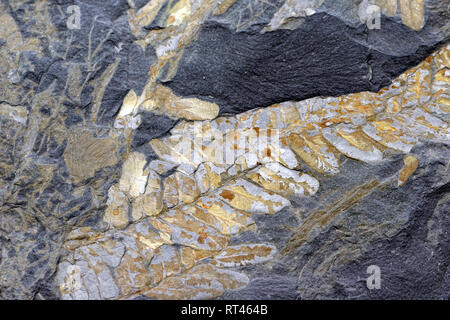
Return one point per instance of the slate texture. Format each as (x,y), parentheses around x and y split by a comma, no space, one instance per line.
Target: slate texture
(98,201)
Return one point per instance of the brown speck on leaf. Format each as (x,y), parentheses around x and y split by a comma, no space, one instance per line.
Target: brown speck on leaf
(171,19)
(202,237)
(227,195)
(205,206)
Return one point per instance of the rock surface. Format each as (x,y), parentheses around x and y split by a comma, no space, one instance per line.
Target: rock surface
(229,149)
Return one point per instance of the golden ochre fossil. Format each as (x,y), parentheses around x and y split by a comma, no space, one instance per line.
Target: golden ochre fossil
(169,237)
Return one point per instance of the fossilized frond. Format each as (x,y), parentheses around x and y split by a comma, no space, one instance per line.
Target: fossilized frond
(172,218)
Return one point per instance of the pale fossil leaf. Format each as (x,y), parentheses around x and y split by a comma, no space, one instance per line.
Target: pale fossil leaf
(204,281)
(245,254)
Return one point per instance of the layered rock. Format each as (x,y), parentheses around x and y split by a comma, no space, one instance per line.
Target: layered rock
(217,148)
(251,176)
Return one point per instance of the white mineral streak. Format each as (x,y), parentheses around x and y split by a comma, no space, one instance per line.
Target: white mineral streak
(293,9)
(348,147)
(134,177)
(246,196)
(390,134)
(16,113)
(170,45)
(236,256)
(280,179)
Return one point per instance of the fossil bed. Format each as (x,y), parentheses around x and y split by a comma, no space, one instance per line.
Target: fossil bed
(116,180)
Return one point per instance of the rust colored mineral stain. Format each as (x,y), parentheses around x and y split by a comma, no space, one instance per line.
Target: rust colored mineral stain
(116,212)
(171,19)
(206,206)
(202,236)
(227,195)
(409,167)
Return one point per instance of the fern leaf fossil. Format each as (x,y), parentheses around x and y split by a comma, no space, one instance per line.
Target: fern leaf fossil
(170,220)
